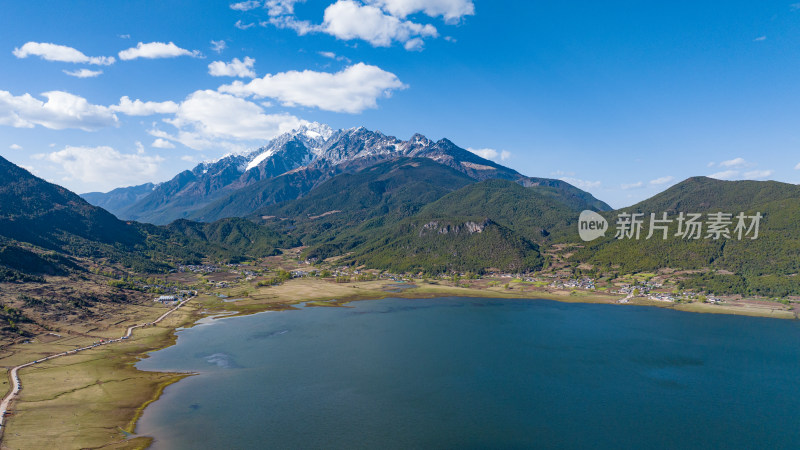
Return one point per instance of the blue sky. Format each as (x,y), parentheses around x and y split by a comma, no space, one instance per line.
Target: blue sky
(620,98)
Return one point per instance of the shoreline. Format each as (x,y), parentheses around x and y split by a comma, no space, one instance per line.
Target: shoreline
(207,306)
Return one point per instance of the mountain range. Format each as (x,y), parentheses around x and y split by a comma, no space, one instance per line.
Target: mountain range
(45,229)
(406,206)
(292,165)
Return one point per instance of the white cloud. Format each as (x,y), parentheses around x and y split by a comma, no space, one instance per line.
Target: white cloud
(61,110)
(797,167)
(450,10)
(243,26)
(349,20)
(246,6)
(490,153)
(636,185)
(725,175)
(140,108)
(735,162)
(103,167)
(301,27)
(331,55)
(235,68)
(162,143)
(188,158)
(760,38)
(60,53)
(154,50)
(209,119)
(280,7)
(15,147)
(757,174)
(219,46)
(379,22)
(415,44)
(582,184)
(353,89)
(83,73)
(662,180)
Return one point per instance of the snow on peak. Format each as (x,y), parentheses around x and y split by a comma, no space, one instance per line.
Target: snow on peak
(315,131)
(258,159)
(314,135)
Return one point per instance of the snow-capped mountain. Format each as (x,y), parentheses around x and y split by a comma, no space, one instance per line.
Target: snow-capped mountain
(295,162)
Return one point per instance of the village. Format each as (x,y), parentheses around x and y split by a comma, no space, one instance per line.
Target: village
(212,277)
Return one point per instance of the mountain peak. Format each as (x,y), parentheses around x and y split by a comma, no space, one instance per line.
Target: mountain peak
(315,131)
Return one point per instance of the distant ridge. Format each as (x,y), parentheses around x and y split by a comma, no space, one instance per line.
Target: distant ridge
(290,166)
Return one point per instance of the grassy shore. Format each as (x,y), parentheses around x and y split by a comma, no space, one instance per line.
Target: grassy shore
(90,399)
(93,399)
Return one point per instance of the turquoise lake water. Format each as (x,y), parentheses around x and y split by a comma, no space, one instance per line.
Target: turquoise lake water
(480,373)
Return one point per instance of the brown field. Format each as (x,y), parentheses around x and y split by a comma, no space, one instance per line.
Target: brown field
(87,399)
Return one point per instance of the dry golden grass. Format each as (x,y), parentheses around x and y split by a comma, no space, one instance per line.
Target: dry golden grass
(85,400)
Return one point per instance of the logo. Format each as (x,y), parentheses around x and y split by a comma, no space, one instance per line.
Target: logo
(591,225)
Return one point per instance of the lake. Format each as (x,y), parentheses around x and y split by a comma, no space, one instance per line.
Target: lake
(480,373)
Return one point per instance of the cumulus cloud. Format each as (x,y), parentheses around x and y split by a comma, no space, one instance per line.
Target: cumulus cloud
(15,147)
(153,50)
(735,162)
(61,110)
(352,90)
(103,167)
(735,170)
(210,119)
(661,180)
(140,108)
(757,174)
(83,73)
(725,175)
(219,46)
(235,68)
(797,167)
(162,143)
(490,153)
(349,20)
(246,6)
(450,10)
(636,185)
(60,53)
(582,184)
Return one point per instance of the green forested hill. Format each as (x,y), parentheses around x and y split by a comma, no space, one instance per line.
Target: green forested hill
(338,207)
(536,212)
(767,265)
(58,222)
(443,234)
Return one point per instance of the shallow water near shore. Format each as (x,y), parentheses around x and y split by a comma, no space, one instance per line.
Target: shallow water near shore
(478,373)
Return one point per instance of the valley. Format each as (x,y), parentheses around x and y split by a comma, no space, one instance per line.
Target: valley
(353,216)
